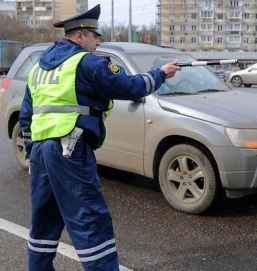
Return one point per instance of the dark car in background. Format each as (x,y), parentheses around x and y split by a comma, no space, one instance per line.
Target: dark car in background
(195,135)
(221,74)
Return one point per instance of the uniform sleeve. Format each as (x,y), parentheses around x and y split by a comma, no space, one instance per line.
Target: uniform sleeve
(112,82)
(25,120)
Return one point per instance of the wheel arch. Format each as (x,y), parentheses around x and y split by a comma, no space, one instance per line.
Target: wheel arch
(173,140)
(14,118)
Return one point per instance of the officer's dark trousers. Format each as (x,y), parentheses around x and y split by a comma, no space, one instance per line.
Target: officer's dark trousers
(67,192)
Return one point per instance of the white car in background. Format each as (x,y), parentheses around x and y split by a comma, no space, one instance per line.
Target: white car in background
(247,77)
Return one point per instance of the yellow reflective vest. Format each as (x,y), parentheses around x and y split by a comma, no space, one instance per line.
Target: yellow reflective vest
(55,106)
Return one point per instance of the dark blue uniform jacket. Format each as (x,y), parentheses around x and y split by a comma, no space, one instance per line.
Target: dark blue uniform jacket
(96,84)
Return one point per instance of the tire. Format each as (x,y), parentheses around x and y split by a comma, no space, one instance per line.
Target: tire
(237,81)
(18,147)
(247,85)
(193,188)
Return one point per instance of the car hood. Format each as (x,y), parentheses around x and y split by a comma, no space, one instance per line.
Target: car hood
(235,109)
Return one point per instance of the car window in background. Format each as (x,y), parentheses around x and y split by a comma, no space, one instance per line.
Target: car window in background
(25,68)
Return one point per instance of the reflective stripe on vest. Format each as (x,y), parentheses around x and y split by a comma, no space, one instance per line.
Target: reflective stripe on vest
(81,109)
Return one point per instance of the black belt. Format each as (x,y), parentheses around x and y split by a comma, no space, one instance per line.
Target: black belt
(95,112)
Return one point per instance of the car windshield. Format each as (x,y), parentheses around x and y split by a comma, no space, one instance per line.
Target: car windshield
(190,80)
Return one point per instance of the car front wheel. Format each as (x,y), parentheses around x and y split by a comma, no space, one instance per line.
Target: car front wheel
(237,81)
(187,179)
(18,147)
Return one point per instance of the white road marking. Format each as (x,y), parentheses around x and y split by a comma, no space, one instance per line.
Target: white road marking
(23,232)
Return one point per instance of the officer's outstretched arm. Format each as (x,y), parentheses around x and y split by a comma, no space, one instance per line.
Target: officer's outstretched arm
(112,82)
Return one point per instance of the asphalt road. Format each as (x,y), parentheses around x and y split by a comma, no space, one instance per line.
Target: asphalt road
(150,235)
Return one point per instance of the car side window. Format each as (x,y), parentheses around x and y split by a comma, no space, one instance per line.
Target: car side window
(27,65)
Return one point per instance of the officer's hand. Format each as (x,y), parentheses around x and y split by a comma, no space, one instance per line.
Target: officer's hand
(170,69)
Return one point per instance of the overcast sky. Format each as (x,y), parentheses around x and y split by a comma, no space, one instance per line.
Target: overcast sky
(143,11)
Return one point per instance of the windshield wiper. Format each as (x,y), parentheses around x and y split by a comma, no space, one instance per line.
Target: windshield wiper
(175,92)
(211,90)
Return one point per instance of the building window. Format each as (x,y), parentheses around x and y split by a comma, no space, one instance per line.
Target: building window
(172,16)
(207,3)
(220,3)
(234,39)
(194,16)
(193,3)
(247,3)
(172,40)
(220,27)
(193,40)
(57,4)
(247,15)
(234,14)
(219,40)
(246,40)
(234,27)
(193,27)
(233,3)
(182,15)
(172,3)
(182,28)
(183,3)
(220,16)
(255,41)
(206,38)
(206,14)
(208,27)
(182,39)
(172,27)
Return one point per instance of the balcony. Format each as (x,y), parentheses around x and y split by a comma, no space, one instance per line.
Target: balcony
(208,8)
(234,44)
(233,32)
(206,45)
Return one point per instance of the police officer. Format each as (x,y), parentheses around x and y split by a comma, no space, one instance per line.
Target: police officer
(68,96)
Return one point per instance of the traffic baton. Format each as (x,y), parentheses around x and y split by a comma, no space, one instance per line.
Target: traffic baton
(207,63)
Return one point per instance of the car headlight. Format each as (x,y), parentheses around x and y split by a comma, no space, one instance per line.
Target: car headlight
(242,138)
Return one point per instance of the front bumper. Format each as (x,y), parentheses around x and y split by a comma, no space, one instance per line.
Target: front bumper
(238,170)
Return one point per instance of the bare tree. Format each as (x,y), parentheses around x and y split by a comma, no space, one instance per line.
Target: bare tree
(106,32)
(146,34)
(13,30)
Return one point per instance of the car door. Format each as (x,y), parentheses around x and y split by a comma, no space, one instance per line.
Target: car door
(250,76)
(124,145)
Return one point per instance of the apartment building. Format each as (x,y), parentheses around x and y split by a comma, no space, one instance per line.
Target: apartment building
(7,7)
(36,13)
(207,25)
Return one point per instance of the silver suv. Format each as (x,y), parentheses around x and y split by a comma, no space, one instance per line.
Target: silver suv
(195,135)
